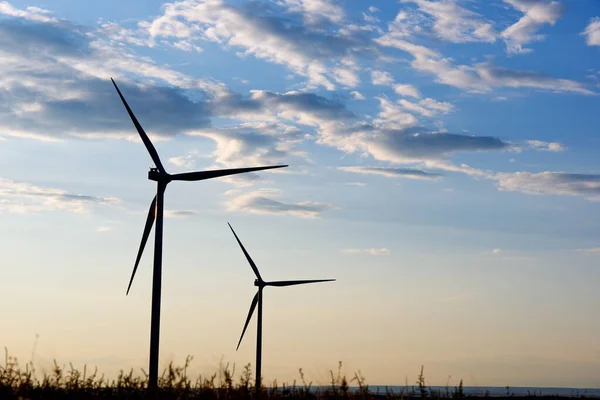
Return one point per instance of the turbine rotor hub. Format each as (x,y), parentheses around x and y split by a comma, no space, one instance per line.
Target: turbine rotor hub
(155,175)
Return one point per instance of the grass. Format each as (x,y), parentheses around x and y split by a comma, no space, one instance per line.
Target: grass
(175,383)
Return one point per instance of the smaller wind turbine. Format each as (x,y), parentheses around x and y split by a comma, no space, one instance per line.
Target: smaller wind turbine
(258,299)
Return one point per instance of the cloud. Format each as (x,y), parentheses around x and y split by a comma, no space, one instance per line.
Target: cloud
(393,172)
(371,252)
(481,77)
(455,23)
(381,78)
(30,13)
(592,250)
(546,146)
(551,183)
(55,77)
(592,32)
(23,197)
(411,145)
(257,30)
(384,78)
(188,161)
(495,251)
(262,202)
(317,11)
(406,90)
(524,31)
(104,228)
(357,95)
(427,107)
(359,184)
(180,213)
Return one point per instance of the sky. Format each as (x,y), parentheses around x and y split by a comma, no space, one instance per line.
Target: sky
(443,167)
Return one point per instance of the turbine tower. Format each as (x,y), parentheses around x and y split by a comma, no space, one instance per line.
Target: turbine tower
(162,178)
(258,300)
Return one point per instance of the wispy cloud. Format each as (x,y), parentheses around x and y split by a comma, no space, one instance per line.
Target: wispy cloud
(393,172)
(30,13)
(357,95)
(494,252)
(455,23)
(481,77)
(591,250)
(372,252)
(536,14)
(592,32)
(24,197)
(551,183)
(263,202)
(262,33)
(180,213)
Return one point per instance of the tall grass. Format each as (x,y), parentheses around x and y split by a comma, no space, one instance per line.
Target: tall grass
(23,383)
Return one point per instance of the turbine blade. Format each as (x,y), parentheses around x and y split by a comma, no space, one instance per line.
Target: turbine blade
(145,138)
(147,229)
(292,283)
(252,307)
(254,268)
(202,175)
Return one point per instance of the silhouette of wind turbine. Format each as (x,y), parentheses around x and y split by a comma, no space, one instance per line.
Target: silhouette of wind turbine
(162,178)
(257,300)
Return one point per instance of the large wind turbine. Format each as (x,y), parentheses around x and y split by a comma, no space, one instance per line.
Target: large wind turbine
(258,299)
(162,178)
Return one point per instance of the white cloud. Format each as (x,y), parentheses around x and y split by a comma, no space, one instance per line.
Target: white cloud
(427,107)
(357,96)
(592,32)
(308,53)
(393,116)
(481,77)
(546,146)
(359,184)
(496,251)
(407,90)
(262,202)
(30,13)
(592,250)
(409,173)
(524,31)
(370,18)
(551,183)
(317,11)
(455,23)
(383,78)
(372,252)
(188,161)
(22,197)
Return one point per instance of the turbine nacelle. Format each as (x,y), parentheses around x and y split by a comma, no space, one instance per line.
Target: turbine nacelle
(155,175)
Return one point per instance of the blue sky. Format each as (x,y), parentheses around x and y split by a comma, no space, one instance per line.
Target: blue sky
(443,167)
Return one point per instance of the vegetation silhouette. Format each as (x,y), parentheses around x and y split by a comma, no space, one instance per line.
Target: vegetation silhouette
(176,383)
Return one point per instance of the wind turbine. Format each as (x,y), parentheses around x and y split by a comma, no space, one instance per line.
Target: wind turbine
(258,300)
(162,178)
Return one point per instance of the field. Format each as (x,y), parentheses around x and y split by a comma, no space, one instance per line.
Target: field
(23,383)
